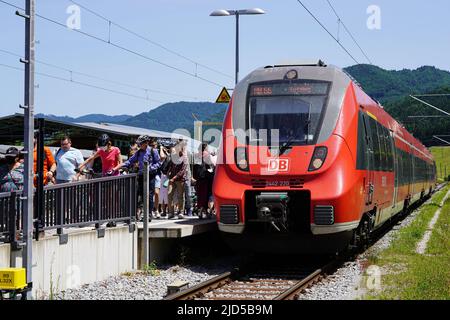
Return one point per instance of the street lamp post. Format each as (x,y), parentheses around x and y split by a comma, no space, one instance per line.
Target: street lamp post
(237,13)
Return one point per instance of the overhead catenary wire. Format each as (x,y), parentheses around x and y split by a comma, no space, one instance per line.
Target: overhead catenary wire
(430,105)
(348,31)
(119,47)
(432,95)
(331,35)
(111,22)
(84,84)
(71,71)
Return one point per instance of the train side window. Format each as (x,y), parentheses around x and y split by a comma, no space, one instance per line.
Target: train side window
(390,150)
(409,160)
(400,166)
(415,164)
(383,145)
(404,167)
(363,145)
(369,142)
(406,170)
(375,145)
(424,171)
(420,166)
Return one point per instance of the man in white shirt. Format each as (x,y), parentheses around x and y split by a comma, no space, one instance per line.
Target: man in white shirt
(67,159)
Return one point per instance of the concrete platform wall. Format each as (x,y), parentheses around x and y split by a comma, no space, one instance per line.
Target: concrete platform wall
(4,255)
(84,259)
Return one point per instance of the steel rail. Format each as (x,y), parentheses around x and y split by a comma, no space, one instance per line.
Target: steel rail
(203,287)
(293,292)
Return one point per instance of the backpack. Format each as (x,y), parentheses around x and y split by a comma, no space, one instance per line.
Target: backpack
(200,171)
(165,165)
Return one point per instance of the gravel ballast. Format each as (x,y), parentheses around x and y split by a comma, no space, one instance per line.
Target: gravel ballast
(347,283)
(140,285)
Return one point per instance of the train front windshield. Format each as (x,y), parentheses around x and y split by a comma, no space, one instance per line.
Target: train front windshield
(286,112)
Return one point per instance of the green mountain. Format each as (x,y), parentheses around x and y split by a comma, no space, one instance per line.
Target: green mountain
(388,85)
(171,116)
(423,128)
(87,118)
(392,88)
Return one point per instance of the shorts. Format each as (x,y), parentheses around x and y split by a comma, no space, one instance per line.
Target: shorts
(158,181)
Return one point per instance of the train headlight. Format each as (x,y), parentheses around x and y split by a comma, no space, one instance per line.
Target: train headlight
(318,158)
(240,157)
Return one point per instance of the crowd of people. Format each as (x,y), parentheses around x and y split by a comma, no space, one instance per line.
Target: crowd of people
(171,176)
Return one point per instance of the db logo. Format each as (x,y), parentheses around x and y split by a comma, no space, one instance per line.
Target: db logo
(278,165)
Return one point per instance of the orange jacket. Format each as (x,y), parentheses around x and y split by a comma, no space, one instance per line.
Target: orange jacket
(49,161)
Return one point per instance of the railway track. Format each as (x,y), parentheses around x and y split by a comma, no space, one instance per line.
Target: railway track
(258,283)
(276,282)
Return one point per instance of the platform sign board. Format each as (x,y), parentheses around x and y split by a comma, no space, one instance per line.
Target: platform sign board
(224,96)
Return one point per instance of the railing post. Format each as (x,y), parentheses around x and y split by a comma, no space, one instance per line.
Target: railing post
(135,198)
(12,214)
(98,205)
(63,238)
(130,182)
(60,210)
(146,213)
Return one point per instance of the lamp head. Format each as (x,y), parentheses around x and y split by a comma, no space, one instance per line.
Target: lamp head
(252,11)
(219,13)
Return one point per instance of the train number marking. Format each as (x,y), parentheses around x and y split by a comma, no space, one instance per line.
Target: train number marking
(277,184)
(278,165)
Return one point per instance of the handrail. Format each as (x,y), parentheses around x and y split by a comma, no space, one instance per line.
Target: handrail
(80,203)
(89,181)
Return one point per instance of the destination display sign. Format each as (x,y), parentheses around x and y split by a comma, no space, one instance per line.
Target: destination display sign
(289,89)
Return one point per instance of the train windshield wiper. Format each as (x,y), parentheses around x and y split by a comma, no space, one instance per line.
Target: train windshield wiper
(287,144)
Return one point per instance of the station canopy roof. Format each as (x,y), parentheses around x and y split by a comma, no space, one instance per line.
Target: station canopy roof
(85,135)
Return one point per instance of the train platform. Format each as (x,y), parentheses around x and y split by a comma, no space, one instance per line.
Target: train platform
(164,234)
(178,228)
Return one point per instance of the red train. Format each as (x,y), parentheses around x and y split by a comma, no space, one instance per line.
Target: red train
(310,163)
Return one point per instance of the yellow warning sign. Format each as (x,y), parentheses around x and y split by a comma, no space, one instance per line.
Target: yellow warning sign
(224,96)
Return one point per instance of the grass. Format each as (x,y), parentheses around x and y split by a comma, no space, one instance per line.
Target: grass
(420,277)
(439,243)
(151,269)
(442,157)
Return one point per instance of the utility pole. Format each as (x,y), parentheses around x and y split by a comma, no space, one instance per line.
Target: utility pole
(236,79)
(147,212)
(28,108)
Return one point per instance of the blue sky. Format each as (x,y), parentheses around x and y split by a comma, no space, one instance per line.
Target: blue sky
(413,33)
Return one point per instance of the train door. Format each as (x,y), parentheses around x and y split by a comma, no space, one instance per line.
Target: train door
(395,167)
(369,160)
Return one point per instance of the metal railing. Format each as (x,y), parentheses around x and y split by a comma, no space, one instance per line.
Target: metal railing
(10,221)
(76,204)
